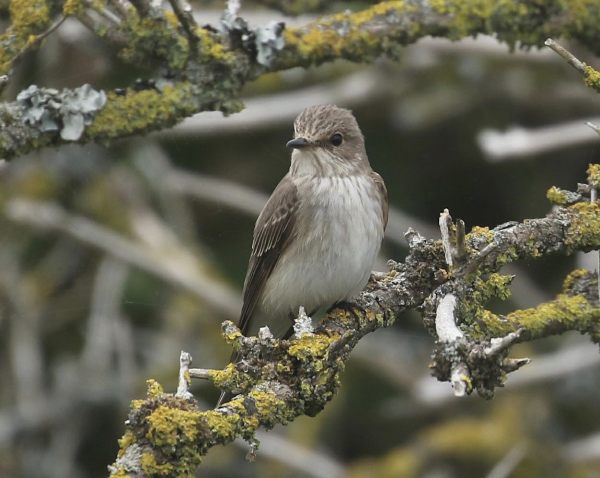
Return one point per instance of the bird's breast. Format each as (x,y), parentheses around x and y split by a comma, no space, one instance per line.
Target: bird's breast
(337,236)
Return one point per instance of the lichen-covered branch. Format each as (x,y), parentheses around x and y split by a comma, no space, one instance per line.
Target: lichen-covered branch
(28,19)
(386,26)
(203,68)
(277,380)
(298,7)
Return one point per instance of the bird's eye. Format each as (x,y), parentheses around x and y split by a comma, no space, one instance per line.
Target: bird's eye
(336,139)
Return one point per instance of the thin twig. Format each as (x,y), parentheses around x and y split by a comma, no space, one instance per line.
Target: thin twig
(460,251)
(185,360)
(566,55)
(201,373)
(445,223)
(37,40)
(187,22)
(505,467)
(594,126)
(498,344)
(445,322)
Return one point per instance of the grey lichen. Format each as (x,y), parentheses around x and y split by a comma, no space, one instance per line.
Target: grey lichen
(269,40)
(263,42)
(67,111)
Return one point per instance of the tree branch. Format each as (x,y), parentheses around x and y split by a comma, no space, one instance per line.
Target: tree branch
(228,57)
(278,380)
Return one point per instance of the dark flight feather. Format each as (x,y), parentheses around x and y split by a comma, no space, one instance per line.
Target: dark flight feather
(272,232)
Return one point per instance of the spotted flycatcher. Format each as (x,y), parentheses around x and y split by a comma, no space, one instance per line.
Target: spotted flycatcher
(317,237)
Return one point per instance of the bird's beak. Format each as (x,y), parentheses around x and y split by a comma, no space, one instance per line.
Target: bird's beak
(297,143)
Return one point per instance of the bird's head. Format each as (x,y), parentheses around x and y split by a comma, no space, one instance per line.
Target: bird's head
(327,142)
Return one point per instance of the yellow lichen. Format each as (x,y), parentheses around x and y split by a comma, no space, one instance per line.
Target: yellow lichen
(120,473)
(138,111)
(267,405)
(311,346)
(556,196)
(230,378)
(168,426)
(593,175)
(152,468)
(152,37)
(572,278)
(28,19)
(342,34)
(72,7)
(224,426)
(125,442)
(592,77)
(211,49)
(28,16)
(482,231)
(155,389)
(584,230)
(231,335)
(564,313)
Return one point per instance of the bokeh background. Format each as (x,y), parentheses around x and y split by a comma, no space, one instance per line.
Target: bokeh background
(115,257)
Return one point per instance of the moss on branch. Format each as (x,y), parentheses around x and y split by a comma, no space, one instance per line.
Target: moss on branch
(386,26)
(211,76)
(28,18)
(576,308)
(135,111)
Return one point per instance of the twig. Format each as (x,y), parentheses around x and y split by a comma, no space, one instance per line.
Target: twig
(201,373)
(476,261)
(566,55)
(460,250)
(594,126)
(505,467)
(105,310)
(502,343)
(309,461)
(37,39)
(445,223)
(185,360)
(445,322)
(186,20)
(448,332)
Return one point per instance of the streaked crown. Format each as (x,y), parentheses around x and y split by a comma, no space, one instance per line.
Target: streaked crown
(327,141)
(319,122)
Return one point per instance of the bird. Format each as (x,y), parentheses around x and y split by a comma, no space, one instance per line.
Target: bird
(318,235)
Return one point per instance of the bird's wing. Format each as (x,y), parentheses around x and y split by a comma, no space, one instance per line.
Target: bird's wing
(272,233)
(383,196)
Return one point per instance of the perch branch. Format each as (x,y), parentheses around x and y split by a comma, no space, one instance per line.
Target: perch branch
(230,57)
(278,380)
